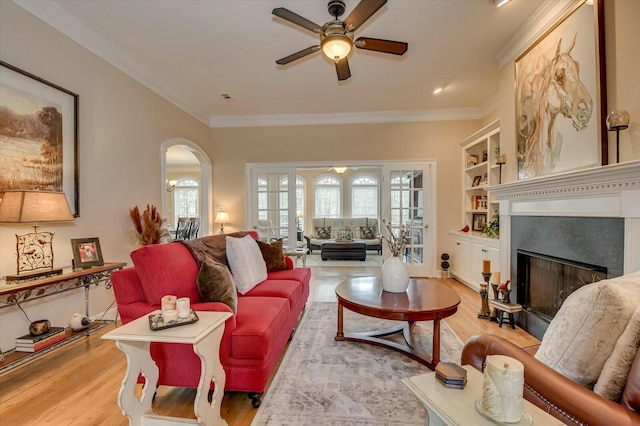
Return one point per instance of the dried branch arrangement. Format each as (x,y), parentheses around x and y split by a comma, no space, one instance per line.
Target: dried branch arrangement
(149,227)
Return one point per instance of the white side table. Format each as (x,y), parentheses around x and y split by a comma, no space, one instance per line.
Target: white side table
(297,253)
(446,406)
(134,339)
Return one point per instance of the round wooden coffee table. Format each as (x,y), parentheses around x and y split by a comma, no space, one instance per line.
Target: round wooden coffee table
(423,301)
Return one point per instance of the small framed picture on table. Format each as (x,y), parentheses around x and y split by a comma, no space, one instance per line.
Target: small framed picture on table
(86,252)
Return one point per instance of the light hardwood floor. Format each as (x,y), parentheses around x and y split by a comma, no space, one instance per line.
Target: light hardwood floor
(78,384)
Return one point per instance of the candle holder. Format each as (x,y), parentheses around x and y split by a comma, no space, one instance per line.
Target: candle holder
(496,296)
(485,312)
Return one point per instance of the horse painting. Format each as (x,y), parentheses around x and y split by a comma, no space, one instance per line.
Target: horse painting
(548,87)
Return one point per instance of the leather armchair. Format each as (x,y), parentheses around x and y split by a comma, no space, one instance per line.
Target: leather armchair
(556,394)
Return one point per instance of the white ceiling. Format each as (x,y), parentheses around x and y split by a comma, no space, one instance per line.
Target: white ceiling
(192,51)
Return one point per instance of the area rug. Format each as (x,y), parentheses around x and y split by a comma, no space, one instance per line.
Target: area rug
(314,259)
(324,382)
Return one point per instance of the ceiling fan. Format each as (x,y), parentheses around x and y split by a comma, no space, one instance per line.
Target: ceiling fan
(336,37)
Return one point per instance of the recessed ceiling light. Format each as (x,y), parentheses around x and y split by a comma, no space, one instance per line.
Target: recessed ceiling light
(499,3)
(437,90)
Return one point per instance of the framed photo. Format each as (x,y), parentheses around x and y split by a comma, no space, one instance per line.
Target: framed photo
(561,96)
(39,135)
(472,160)
(86,252)
(476,180)
(479,222)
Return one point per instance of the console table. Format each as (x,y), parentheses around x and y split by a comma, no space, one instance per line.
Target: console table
(70,279)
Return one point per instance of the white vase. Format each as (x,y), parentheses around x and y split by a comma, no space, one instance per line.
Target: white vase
(394,275)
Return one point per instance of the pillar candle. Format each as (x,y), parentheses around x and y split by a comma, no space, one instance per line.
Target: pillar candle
(486,266)
(502,388)
(183,305)
(496,277)
(169,315)
(168,302)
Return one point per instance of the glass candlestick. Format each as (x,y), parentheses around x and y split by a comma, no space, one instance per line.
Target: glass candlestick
(485,312)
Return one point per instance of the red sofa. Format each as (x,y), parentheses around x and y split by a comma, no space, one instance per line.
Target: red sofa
(254,338)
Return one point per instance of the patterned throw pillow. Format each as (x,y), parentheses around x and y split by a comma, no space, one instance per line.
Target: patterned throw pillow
(323,232)
(344,234)
(368,232)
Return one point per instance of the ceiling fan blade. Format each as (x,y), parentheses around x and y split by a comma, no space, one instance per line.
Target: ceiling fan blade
(296,19)
(363,11)
(342,68)
(298,55)
(379,45)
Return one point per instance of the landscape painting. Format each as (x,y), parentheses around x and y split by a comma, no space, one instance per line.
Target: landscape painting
(559,90)
(38,135)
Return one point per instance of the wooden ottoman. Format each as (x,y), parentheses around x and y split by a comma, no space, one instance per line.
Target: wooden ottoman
(347,250)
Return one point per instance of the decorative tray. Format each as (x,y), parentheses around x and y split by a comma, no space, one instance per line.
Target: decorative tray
(156,323)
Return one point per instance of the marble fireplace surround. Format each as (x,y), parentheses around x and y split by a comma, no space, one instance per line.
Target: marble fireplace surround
(611,191)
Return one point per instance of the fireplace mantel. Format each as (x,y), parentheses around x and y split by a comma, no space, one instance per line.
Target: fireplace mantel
(608,191)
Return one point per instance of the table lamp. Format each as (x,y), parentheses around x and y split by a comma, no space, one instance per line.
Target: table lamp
(35,249)
(222,217)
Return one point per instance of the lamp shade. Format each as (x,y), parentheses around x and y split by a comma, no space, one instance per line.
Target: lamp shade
(222,217)
(34,207)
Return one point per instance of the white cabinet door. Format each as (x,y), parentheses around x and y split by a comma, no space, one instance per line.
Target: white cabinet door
(460,256)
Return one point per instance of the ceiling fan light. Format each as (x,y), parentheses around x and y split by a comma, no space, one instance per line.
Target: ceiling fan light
(337,46)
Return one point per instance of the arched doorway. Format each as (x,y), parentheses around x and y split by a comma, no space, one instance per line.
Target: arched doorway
(183,158)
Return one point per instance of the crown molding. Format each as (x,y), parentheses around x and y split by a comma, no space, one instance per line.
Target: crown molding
(346,118)
(539,22)
(55,16)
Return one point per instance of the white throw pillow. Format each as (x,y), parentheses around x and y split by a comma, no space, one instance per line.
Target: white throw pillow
(246,263)
(584,332)
(613,377)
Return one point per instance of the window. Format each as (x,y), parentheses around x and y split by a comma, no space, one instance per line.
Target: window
(365,192)
(300,194)
(328,196)
(186,198)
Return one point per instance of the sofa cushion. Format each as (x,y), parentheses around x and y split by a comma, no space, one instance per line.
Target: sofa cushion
(216,284)
(246,263)
(583,333)
(273,255)
(259,321)
(166,269)
(614,374)
(298,274)
(287,289)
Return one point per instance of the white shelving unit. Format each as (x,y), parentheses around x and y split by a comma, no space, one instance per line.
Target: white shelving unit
(480,170)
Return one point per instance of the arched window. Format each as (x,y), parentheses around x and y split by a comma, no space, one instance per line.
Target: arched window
(186,198)
(365,192)
(328,195)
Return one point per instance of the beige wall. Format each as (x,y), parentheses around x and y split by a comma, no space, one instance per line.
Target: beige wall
(122,125)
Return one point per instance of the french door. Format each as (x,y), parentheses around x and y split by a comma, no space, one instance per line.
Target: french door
(272,206)
(408,203)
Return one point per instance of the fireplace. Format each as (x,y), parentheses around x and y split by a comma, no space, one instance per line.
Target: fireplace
(543,284)
(587,219)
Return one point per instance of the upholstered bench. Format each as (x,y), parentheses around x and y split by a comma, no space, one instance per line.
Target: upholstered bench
(343,250)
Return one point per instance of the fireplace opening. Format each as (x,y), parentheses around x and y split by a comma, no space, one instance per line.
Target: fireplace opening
(544,282)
